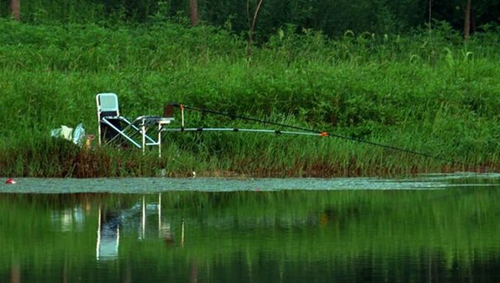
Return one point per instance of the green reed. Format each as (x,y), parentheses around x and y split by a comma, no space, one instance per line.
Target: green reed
(431,94)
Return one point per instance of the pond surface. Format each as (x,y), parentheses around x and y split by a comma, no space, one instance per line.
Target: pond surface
(429,228)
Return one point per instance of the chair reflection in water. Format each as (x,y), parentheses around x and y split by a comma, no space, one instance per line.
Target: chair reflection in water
(111,223)
(108,235)
(141,132)
(164,228)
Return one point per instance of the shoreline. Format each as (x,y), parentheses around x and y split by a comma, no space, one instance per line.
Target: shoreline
(149,185)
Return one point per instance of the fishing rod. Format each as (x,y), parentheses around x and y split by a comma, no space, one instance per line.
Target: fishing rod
(232,116)
(239,130)
(303,131)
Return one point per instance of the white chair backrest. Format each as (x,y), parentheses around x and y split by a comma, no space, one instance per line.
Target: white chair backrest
(107,102)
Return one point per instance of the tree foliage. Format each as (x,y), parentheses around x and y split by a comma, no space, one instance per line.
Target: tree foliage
(333,18)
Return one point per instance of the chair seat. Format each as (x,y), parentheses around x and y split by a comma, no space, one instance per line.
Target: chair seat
(150,120)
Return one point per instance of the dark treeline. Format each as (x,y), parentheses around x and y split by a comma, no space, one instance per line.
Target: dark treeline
(333,18)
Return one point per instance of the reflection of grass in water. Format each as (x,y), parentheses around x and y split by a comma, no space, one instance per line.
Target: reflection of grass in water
(341,226)
(350,225)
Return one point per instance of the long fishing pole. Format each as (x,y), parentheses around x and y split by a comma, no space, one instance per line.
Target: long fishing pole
(233,116)
(278,132)
(303,130)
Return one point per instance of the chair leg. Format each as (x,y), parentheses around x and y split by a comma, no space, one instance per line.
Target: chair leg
(159,139)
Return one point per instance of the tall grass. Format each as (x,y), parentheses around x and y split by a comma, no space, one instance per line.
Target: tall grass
(430,94)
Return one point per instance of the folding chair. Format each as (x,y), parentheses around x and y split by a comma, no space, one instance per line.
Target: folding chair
(114,128)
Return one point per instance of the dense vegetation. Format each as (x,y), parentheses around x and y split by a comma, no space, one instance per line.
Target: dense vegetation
(426,91)
(333,18)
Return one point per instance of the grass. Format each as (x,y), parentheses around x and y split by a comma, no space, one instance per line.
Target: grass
(430,94)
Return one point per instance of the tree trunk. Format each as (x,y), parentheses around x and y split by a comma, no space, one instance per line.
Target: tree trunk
(193,8)
(252,29)
(467,25)
(15,9)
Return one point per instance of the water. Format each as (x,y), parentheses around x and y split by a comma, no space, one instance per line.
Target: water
(429,228)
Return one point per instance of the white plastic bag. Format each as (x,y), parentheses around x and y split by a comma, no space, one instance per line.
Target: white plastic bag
(77,135)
